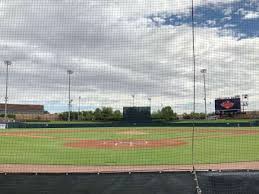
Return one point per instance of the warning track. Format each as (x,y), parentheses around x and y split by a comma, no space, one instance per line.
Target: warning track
(22,168)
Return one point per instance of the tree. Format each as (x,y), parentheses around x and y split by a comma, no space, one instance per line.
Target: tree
(186,116)
(198,116)
(103,114)
(168,114)
(156,115)
(107,113)
(87,116)
(98,114)
(117,115)
(63,116)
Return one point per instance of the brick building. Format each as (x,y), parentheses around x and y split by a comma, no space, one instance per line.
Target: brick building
(22,109)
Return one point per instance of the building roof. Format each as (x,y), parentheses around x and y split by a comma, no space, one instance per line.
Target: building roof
(22,107)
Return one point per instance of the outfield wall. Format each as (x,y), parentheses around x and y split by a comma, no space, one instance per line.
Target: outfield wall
(126,124)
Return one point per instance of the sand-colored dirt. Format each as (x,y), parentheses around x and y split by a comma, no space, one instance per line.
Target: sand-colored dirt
(21,168)
(125,144)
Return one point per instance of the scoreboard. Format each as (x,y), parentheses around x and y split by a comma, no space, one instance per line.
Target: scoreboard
(137,114)
(227,105)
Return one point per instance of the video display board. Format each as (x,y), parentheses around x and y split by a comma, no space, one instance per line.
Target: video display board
(227,105)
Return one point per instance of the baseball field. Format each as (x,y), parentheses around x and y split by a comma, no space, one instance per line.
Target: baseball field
(128,146)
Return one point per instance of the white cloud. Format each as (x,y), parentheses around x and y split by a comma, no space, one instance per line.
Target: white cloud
(251,15)
(115,52)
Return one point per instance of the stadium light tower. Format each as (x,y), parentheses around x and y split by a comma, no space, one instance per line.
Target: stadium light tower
(204,71)
(150,102)
(133,100)
(7,63)
(244,101)
(79,104)
(69,72)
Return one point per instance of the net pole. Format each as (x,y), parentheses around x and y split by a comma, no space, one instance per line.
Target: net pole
(194,79)
(7,63)
(198,190)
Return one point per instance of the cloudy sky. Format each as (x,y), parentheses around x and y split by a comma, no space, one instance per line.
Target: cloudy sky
(117,48)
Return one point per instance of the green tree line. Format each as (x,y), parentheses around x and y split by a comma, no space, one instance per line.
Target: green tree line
(108,114)
(166,113)
(196,116)
(99,114)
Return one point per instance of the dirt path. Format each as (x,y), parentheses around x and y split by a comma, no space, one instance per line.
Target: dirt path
(20,168)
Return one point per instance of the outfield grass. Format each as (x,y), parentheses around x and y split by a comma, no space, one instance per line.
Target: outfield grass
(218,147)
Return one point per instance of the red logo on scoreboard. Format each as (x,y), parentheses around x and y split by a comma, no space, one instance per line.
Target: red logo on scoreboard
(227,104)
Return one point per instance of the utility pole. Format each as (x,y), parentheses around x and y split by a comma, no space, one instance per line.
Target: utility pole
(150,102)
(204,71)
(133,100)
(79,104)
(70,72)
(7,63)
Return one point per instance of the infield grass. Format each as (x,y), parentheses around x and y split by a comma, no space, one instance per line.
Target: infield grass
(212,145)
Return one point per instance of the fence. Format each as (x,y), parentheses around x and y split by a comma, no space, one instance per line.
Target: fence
(236,124)
(86,61)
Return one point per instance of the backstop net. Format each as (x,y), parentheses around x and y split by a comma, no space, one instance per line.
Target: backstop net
(130,86)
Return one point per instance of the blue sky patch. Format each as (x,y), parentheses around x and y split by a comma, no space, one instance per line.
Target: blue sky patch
(240,19)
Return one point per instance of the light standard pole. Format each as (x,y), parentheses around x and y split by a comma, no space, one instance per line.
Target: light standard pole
(69,72)
(133,100)
(79,104)
(150,102)
(244,101)
(204,71)
(7,63)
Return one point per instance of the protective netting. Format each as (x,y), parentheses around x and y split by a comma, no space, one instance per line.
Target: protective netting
(123,86)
